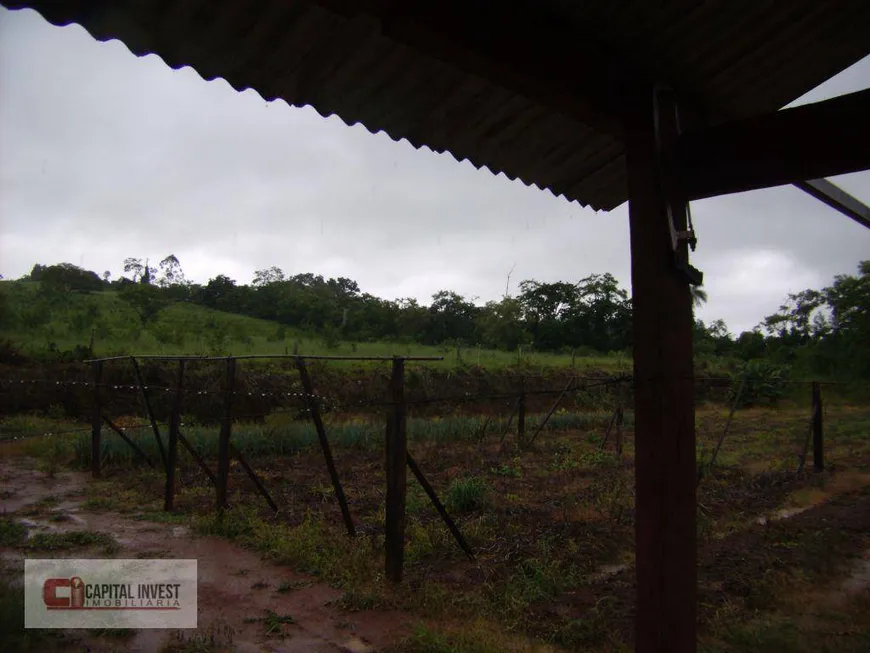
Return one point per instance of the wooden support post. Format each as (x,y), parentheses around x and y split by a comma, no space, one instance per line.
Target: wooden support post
(172,448)
(97,422)
(818,439)
(396,450)
(324,445)
(143,391)
(433,497)
(664,388)
(552,409)
(223,474)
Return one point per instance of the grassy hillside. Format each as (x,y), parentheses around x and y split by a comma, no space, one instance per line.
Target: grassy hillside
(37,326)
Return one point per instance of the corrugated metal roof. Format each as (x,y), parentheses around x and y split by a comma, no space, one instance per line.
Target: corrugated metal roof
(733,58)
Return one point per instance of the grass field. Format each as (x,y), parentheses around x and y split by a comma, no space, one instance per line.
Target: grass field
(551,525)
(191,329)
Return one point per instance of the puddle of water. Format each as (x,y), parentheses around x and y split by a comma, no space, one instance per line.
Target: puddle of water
(604,571)
(356,645)
(859,580)
(783,513)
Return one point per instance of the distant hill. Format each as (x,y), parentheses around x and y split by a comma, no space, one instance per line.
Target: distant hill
(41,325)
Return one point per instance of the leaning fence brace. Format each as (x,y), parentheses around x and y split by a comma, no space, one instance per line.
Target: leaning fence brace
(324,444)
(143,391)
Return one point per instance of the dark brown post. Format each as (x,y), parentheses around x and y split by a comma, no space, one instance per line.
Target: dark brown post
(818,439)
(223,475)
(397,454)
(311,402)
(664,389)
(172,447)
(97,423)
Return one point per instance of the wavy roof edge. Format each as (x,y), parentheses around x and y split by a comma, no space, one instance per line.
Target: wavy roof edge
(310,56)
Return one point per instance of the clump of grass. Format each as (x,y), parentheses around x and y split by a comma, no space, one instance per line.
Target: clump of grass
(466,494)
(506,469)
(12,532)
(288,586)
(474,638)
(72,540)
(273,623)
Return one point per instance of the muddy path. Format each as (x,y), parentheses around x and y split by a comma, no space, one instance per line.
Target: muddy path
(236,587)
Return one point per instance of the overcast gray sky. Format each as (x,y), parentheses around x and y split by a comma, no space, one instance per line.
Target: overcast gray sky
(104,155)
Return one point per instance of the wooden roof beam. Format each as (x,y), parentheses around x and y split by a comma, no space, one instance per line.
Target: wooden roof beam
(789,146)
(835,197)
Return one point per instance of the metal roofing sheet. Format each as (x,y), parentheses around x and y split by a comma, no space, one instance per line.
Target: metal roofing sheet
(736,58)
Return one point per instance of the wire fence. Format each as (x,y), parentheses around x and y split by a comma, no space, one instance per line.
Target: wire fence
(177,392)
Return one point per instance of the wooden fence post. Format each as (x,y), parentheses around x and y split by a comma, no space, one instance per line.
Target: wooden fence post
(396,457)
(223,474)
(97,423)
(172,446)
(818,436)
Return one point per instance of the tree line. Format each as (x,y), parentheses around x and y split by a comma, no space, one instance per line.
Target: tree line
(825,330)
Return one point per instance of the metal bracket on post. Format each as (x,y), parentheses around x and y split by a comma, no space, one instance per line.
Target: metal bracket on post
(678,236)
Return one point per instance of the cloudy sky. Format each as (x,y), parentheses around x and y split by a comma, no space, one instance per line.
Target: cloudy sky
(104,156)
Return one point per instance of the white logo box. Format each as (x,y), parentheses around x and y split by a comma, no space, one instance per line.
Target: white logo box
(126,593)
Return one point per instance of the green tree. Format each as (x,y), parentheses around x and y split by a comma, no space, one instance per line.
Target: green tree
(146,300)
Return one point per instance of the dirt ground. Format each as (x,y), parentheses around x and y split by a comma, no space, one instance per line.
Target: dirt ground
(235,585)
(783,556)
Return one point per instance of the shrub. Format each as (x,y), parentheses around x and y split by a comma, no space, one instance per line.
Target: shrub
(759,383)
(466,494)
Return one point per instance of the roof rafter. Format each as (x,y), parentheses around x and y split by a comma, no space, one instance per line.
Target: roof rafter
(789,146)
(835,197)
